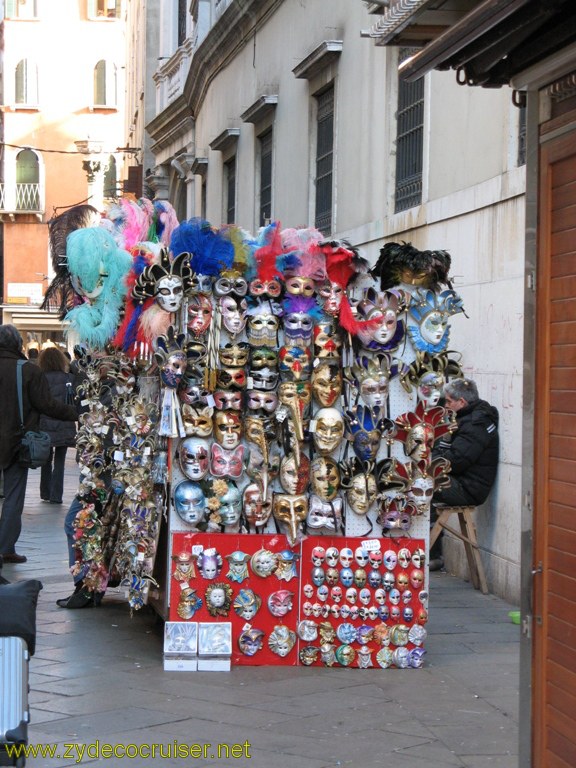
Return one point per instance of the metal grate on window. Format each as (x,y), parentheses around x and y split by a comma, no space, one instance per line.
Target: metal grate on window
(522,136)
(230,168)
(265,178)
(409,140)
(324,161)
(182,12)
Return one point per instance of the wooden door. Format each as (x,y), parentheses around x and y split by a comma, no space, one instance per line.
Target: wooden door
(554,647)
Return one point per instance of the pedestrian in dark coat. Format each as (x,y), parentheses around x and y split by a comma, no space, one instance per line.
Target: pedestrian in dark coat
(472,451)
(36,401)
(62,433)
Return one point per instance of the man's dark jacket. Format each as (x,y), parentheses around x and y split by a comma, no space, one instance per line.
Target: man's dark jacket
(473,449)
(36,400)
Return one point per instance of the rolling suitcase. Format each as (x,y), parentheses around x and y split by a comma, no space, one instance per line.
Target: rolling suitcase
(14,712)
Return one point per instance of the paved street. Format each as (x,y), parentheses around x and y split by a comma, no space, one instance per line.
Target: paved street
(97,675)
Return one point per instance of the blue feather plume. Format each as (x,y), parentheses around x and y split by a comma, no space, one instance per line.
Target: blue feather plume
(210,252)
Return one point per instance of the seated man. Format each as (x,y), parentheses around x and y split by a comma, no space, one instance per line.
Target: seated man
(472,451)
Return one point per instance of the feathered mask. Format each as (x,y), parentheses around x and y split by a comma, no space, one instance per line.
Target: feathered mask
(402,263)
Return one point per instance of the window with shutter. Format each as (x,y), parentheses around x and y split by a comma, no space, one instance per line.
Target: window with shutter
(324,161)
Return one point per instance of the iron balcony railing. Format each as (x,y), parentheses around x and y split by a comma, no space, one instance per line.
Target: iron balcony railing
(21,198)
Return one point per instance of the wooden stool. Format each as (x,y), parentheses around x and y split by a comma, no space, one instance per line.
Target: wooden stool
(467,535)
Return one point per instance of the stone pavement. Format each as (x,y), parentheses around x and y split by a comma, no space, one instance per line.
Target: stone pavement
(97,675)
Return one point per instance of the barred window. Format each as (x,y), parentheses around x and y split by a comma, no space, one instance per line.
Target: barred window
(409,140)
(324,161)
(230,189)
(265,178)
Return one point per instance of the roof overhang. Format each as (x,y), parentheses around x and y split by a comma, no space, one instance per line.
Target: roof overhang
(492,42)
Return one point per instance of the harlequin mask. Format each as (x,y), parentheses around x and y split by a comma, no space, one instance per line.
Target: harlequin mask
(265,288)
(296,396)
(329,430)
(231,377)
(234,355)
(281,640)
(173,369)
(430,388)
(194,457)
(330,297)
(396,514)
(419,442)
(197,421)
(189,502)
(199,315)
(431,312)
(238,566)
(265,401)
(386,331)
(169,293)
(294,476)
(228,400)
(280,602)
(262,330)
(233,313)
(263,358)
(247,604)
(257,510)
(228,428)
(298,329)
(291,510)
(225,463)
(327,341)
(295,363)
(250,641)
(210,563)
(235,285)
(325,477)
(364,426)
(327,384)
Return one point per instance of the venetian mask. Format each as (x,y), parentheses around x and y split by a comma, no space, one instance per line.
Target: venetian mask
(194,457)
(233,313)
(295,363)
(262,330)
(419,442)
(263,563)
(250,641)
(234,355)
(191,392)
(420,493)
(231,284)
(197,421)
(330,297)
(327,384)
(281,640)
(291,510)
(228,428)
(280,602)
(173,369)
(225,400)
(219,599)
(231,377)
(256,510)
(296,396)
(300,286)
(374,391)
(430,388)
(188,603)
(238,566)
(324,514)
(262,402)
(230,505)
(200,284)
(294,476)
(247,604)
(298,329)
(327,341)
(362,493)
(264,379)
(265,288)
(189,502)
(199,315)
(329,430)
(225,463)
(325,477)
(209,563)
(263,357)
(169,293)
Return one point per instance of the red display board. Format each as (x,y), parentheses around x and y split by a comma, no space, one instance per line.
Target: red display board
(333,601)
(240,575)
